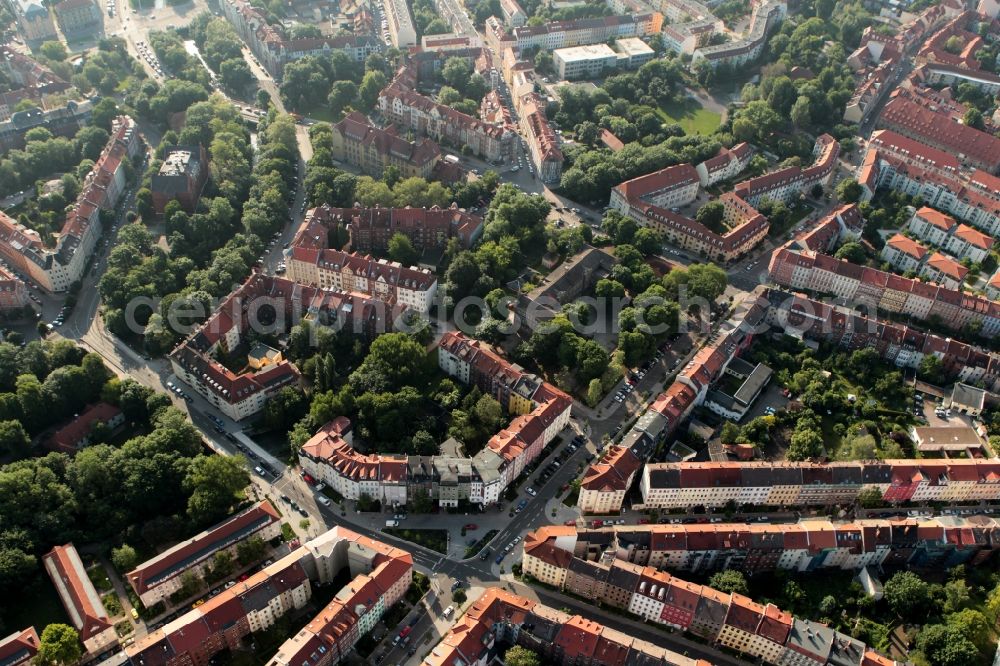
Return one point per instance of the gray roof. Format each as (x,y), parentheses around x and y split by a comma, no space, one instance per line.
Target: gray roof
(760,376)
(811,638)
(968,396)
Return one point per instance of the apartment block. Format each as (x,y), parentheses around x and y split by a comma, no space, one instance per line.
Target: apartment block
(766,15)
(401,28)
(19,648)
(944,271)
(539,410)
(13,292)
(274,49)
(904,254)
(728,163)
(311,262)
(377,571)
(959,240)
(401,104)
(156,579)
(427,228)
(758,631)
(786,184)
(901,164)
(80,599)
(578,32)
(676,485)
(499,620)
(652,200)
(181,178)
(58,268)
(975,148)
(607,480)
(34,22)
(359,143)
(79,19)
(801,269)
(543,142)
(514,15)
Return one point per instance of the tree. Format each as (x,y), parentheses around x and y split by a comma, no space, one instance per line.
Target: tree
(54,51)
(931,369)
(124,558)
(215,483)
(394,360)
(853,252)
(59,644)
(907,594)
(521,656)
(401,249)
(595,391)
(711,215)
(973,625)
(14,439)
(870,498)
(944,645)
(730,433)
(801,113)
(342,95)
(235,74)
(974,118)
(848,191)
(458,596)
(729,580)
(371,85)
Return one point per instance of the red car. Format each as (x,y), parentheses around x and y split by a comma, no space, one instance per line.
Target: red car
(570,523)
(644,521)
(308,479)
(597,523)
(405,632)
(472,526)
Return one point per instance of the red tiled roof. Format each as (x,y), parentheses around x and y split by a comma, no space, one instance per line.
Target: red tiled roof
(77,593)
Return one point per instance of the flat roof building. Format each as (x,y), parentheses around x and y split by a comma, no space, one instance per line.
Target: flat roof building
(582,62)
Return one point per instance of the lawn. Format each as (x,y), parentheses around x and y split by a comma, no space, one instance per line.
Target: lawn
(691,116)
(434,539)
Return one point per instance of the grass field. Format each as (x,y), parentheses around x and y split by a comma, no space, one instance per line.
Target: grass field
(691,117)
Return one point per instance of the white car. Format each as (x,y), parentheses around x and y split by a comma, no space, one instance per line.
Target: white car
(324,500)
(531,491)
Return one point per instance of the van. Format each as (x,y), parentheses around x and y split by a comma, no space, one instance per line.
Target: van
(392,523)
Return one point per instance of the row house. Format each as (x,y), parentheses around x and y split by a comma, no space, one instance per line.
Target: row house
(156,579)
(653,200)
(57,269)
(959,240)
(791,182)
(937,177)
(372,149)
(676,485)
(427,228)
(758,631)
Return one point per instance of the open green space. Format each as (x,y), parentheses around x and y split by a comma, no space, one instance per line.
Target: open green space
(433,539)
(691,116)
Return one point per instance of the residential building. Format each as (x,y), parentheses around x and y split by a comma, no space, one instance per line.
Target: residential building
(361,144)
(944,271)
(564,284)
(601,573)
(607,480)
(79,19)
(34,22)
(19,648)
(653,200)
(903,254)
(514,15)
(401,104)
(13,292)
(156,579)
(941,230)
(80,599)
(181,178)
(941,74)
(741,386)
(77,433)
(401,28)
(802,269)
(429,229)
(562,34)
(901,164)
(766,15)
(310,262)
(64,121)
(274,49)
(539,411)
(791,182)
(727,163)
(58,268)
(973,147)
(712,484)
(377,571)
(947,440)
(967,399)
(26,72)
(993,287)
(543,142)
(499,620)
